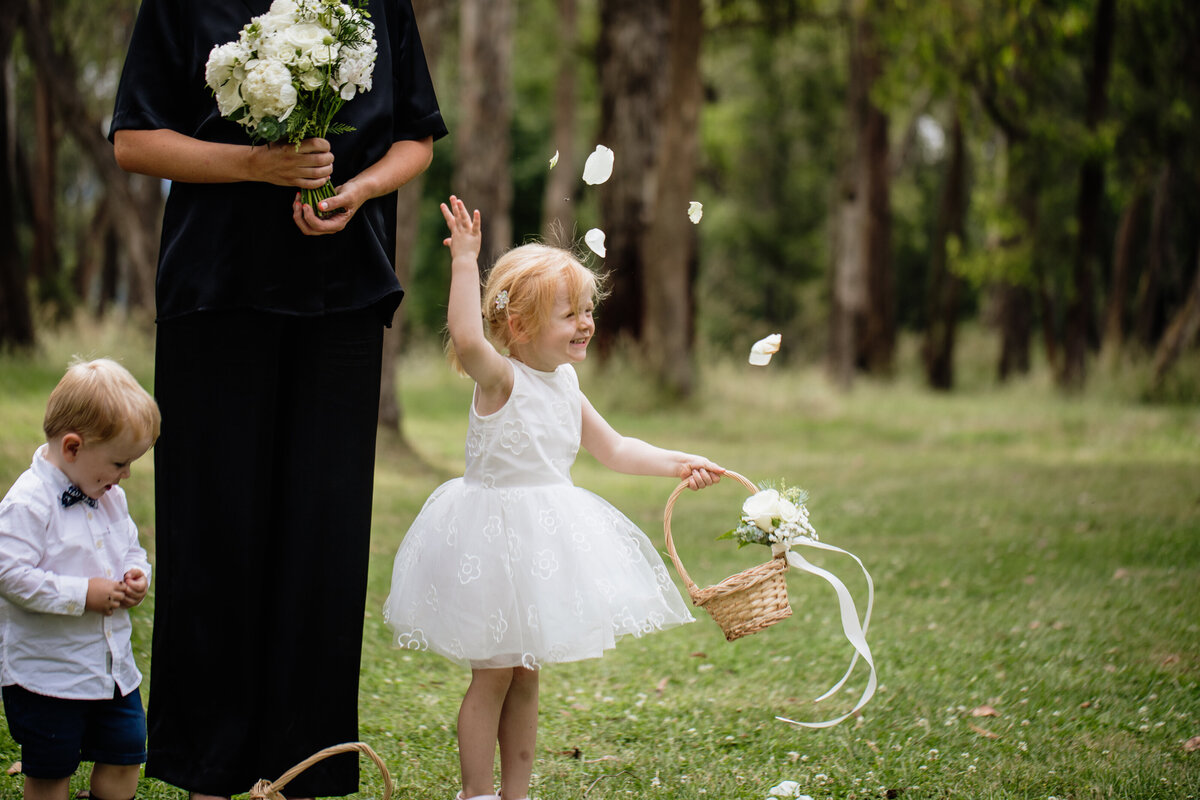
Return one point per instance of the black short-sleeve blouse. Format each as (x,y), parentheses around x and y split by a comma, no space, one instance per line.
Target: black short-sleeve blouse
(235,245)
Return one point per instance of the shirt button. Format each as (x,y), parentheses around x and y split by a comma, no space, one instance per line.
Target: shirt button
(89,515)
(99,544)
(108,573)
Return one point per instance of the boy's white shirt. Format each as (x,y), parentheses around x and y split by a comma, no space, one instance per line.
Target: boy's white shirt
(48,643)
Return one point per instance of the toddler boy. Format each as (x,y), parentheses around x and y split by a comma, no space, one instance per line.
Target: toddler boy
(70,568)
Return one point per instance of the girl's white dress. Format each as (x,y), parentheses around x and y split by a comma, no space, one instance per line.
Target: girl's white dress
(512,564)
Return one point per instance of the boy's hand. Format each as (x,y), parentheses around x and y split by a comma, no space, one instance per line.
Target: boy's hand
(465,238)
(135,588)
(104,596)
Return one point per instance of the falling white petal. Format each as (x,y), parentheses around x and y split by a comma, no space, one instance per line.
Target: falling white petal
(594,239)
(785,789)
(554,159)
(763,349)
(599,165)
(695,212)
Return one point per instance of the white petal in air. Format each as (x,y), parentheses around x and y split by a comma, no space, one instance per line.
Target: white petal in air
(598,167)
(695,212)
(554,159)
(594,239)
(763,349)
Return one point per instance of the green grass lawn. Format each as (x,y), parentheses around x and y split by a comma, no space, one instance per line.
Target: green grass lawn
(1037,569)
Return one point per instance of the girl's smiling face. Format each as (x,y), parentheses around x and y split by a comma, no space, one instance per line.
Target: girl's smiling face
(565,336)
(96,468)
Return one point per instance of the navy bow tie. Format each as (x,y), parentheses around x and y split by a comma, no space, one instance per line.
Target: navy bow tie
(73,495)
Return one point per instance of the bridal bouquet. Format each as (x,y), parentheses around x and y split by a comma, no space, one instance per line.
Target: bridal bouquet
(773,517)
(292,69)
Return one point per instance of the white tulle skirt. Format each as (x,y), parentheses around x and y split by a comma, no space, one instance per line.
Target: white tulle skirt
(526,576)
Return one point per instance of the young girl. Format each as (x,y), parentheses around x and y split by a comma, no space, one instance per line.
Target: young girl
(512,566)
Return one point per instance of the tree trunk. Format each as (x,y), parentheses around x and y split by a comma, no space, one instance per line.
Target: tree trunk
(558,213)
(945,287)
(1016,321)
(139,220)
(669,249)
(1181,332)
(16,322)
(1148,318)
(877,345)
(862,319)
(632,55)
(44,262)
(1080,331)
(482,143)
(431,22)
(1118,293)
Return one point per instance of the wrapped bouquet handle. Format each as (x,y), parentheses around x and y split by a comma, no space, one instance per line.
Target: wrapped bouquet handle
(756,598)
(268,790)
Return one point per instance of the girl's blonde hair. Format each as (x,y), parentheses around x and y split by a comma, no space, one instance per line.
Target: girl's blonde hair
(523,284)
(99,400)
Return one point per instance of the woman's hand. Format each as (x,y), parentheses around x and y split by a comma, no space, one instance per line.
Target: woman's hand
(306,165)
(346,202)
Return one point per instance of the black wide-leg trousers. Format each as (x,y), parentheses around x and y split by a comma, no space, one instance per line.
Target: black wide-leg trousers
(263,484)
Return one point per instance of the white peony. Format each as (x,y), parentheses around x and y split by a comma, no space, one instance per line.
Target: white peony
(268,89)
(224,73)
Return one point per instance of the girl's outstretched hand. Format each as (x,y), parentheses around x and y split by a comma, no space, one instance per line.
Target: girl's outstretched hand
(699,472)
(465,237)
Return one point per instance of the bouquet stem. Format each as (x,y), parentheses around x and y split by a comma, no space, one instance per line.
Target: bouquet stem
(313,197)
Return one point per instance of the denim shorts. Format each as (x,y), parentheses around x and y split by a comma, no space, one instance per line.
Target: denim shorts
(56,734)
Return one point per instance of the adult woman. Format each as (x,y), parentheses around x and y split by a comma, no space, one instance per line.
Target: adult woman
(270,324)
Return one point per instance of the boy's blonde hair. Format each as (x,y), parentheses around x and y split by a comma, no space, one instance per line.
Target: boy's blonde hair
(530,274)
(99,400)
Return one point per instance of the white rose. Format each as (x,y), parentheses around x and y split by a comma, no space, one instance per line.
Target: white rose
(764,507)
(307,38)
(281,15)
(312,80)
(268,89)
(275,46)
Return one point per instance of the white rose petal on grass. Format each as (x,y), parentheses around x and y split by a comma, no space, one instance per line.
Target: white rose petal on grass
(763,349)
(553,159)
(594,239)
(599,165)
(695,212)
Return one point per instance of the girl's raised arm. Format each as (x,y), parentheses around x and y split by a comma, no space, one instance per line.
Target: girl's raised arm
(636,457)
(491,371)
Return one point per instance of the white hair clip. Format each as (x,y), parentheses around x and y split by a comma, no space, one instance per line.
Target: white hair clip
(502,300)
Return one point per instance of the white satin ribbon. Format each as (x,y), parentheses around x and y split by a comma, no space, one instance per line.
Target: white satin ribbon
(856,634)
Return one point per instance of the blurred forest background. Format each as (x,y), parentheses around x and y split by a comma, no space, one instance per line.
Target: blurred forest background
(869,169)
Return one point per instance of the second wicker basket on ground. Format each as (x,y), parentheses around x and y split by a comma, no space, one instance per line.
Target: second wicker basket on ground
(744,603)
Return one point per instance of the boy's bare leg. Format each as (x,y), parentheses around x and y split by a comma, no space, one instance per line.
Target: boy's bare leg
(114,781)
(47,788)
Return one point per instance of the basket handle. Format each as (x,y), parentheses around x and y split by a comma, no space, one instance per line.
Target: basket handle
(266,790)
(693,590)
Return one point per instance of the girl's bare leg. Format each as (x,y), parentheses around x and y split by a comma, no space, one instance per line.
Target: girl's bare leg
(478,728)
(518,733)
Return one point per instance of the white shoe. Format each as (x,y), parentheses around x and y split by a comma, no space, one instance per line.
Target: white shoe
(459,796)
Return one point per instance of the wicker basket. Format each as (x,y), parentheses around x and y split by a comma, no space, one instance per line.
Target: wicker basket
(744,603)
(267,790)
